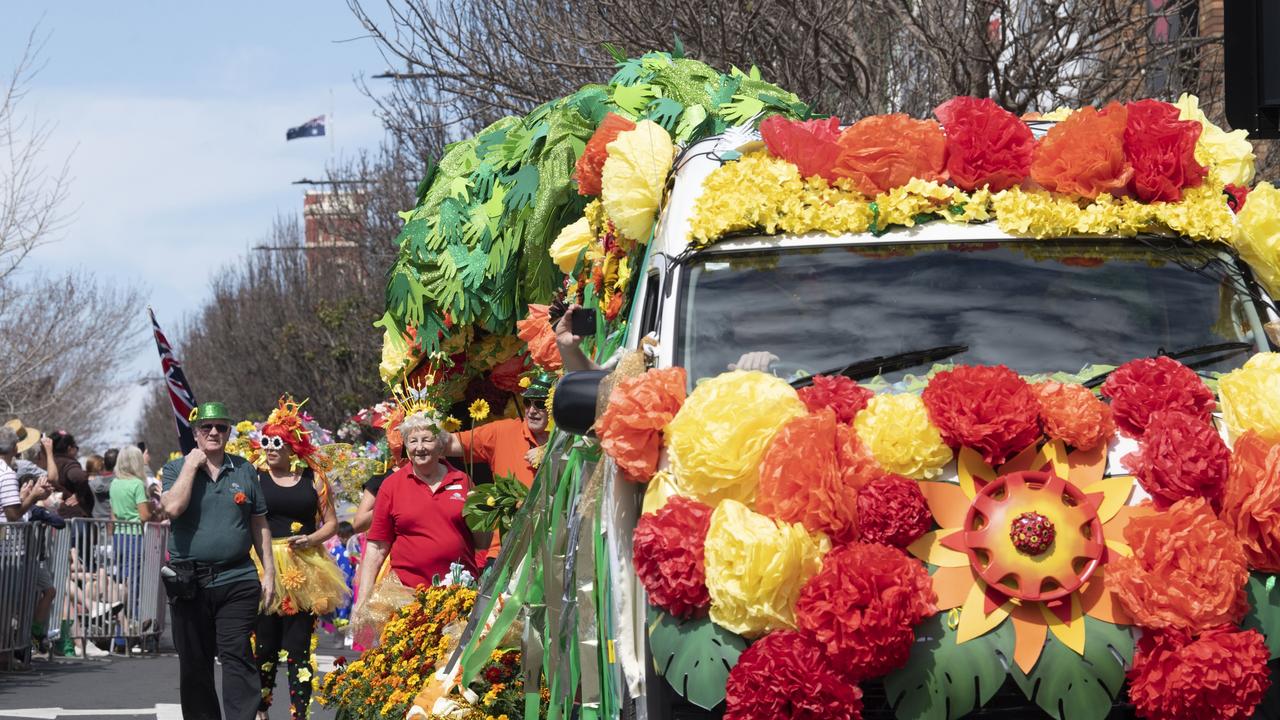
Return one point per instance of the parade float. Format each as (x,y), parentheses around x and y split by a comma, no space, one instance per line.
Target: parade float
(1017,446)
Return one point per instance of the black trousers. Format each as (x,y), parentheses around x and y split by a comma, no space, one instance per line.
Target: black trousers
(292,635)
(218,620)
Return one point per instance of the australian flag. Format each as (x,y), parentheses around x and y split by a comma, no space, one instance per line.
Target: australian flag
(180,395)
(311,128)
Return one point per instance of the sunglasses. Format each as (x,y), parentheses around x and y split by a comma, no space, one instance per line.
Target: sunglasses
(531,403)
(272,442)
(222,428)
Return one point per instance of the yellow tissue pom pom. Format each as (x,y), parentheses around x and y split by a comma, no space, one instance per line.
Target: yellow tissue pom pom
(1250,396)
(1258,234)
(897,430)
(570,243)
(634,176)
(756,567)
(244,426)
(1230,153)
(716,439)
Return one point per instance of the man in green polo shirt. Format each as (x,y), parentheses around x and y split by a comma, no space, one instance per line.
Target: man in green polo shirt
(217,513)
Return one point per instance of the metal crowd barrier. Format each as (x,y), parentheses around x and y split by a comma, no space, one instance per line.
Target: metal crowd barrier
(107,577)
(19,544)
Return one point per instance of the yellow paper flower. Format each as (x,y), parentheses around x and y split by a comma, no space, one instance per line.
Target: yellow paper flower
(634,176)
(570,243)
(451,424)
(244,427)
(1057,114)
(398,355)
(660,489)
(1230,153)
(756,567)
(897,430)
(479,410)
(716,439)
(1258,234)
(304,674)
(1250,396)
(295,526)
(525,382)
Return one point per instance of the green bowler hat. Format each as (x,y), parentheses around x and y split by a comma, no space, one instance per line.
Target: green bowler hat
(210,411)
(540,386)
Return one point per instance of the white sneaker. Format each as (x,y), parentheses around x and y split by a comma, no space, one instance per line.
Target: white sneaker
(91,650)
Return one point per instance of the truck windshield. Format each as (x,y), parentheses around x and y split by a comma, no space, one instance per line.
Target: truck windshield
(1036,306)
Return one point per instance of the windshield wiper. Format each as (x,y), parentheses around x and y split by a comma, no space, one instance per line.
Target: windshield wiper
(870,367)
(1223,350)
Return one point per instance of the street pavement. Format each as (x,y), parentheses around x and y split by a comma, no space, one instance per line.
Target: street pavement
(141,686)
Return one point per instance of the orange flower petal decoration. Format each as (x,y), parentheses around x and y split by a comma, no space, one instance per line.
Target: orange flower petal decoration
(591,164)
(1251,504)
(1084,154)
(883,152)
(1073,414)
(630,429)
(1187,571)
(536,331)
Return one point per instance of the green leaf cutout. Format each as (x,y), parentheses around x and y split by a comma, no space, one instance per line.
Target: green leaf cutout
(1264,609)
(742,109)
(632,99)
(945,681)
(666,112)
(524,186)
(695,656)
(1073,687)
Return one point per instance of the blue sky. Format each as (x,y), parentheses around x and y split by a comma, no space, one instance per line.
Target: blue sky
(173,116)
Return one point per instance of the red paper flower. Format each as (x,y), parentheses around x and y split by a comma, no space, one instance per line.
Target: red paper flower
(1180,456)
(591,163)
(863,606)
(810,145)
(668,550)
(630,429)
(537,333)
(1084,154)
(989,409)
(882,152)
(1141,387)
(1187,571)
(1073,414)
(1236,196)
(1251,503)
(986,144)
(239,498)
(785,675)
(505,375)
(1221,674)
(846,397)
(1162,150)
(893,511)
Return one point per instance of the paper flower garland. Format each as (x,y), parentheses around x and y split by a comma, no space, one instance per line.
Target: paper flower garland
(1180,456)
(811,145)
(1249,396)
(1073,414)
(756,567)
(786,676)
(986,144)
(989,409)
(1251,503)
(897,430)
(892,511)
(1084,154)
(721,431)
(668,550)
(1187,571)
(630,429)
(1141,387)
(882,152)
(634,176)
(863,607)
(839,393)
(1221,674)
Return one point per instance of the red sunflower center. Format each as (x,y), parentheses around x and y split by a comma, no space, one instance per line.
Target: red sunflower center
(1032,533)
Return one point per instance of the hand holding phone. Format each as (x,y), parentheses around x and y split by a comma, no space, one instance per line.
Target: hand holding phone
(582,322)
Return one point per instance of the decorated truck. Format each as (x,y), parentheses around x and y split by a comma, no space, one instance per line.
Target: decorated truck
(975,415)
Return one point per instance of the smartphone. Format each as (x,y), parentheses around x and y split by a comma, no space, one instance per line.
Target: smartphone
(583,322)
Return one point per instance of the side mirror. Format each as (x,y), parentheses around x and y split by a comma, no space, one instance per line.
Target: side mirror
(574,406)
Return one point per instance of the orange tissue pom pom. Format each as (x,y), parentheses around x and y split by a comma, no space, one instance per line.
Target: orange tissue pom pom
(630,429)
(1251,503)
(882,152)
(537,333)
(1073,414)
(1084,154)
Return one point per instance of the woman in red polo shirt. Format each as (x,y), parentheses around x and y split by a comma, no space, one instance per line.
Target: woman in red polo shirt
(417,522)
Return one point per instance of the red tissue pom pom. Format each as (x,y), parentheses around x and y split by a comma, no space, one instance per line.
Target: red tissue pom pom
(1141,387)
(1162,150)
(786,675)
(668,549)
(986,144)
(1180,456)
(846,397)
(1221,674)
(893,511)
(591,164)
(989,409)
(863,606)
(810,145)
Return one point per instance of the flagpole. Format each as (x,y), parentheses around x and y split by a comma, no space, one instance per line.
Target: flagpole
(330,129)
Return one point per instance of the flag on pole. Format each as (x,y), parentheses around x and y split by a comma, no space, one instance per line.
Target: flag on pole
(311,128)
(180,395)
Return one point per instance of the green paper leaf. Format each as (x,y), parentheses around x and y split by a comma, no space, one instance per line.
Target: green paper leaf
(632,99)
(460,189)
(523,188)
(730,156)
(617,54)
(666,112)
(1073,687)
(1264,612)
(677,50)
(695,656)
(742,109)
(945,681)
(693,116)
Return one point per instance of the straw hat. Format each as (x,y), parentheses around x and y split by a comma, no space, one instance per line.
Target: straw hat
(27,436)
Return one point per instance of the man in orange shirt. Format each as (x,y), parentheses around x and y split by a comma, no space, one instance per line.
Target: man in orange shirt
(511,447)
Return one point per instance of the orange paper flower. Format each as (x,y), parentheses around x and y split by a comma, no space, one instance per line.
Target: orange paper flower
(1073,414)
(537,333)
(591,164)
(1187,571)
(240,498)
(882,152)
(630,429)
(1084,154)
(1251,504)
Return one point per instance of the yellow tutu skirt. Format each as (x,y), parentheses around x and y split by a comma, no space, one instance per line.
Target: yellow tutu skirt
(307,580)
